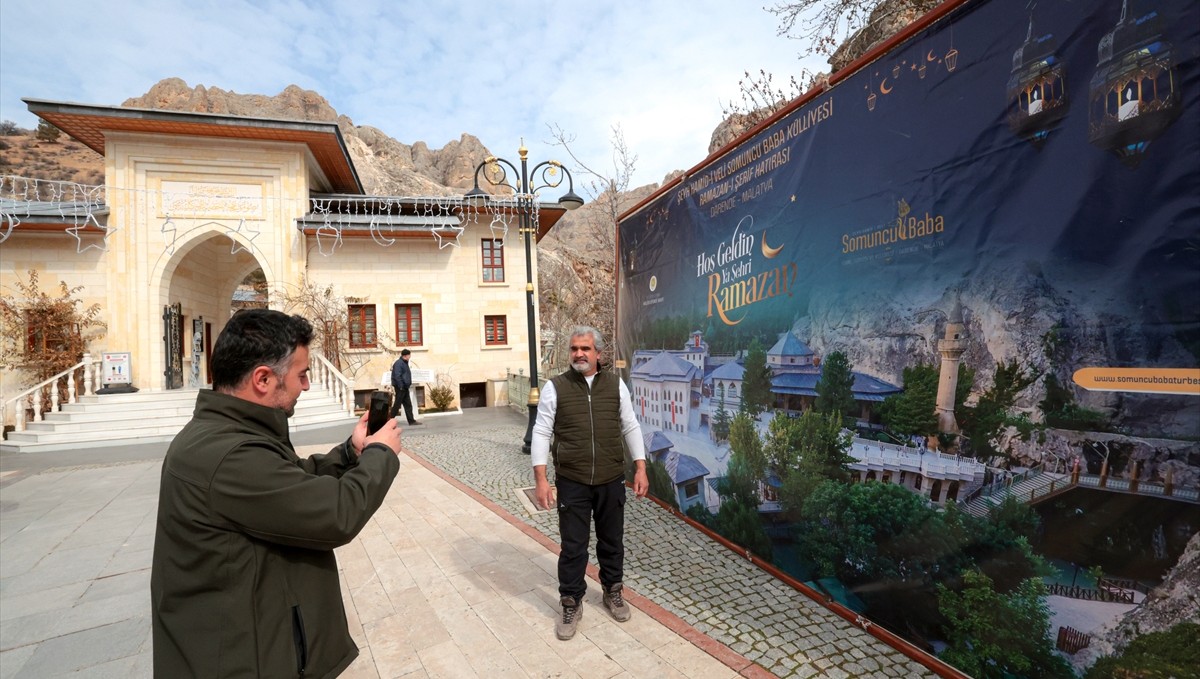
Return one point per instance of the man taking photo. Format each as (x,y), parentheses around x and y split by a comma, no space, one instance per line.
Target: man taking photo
(244,581)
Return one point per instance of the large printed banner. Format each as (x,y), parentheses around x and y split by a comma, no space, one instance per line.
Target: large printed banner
(1038,165)
(1017,184)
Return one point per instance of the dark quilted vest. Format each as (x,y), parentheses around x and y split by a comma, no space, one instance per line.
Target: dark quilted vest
(587,446)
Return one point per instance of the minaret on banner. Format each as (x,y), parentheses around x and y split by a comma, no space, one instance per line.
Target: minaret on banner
(951,347)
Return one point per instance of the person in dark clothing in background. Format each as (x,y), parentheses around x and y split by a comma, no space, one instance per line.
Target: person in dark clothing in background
(243,580)
(589,413)
(401,382)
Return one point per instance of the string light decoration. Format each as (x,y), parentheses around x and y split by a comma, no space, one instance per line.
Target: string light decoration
(377,234)
(83,211)
(520,190)
(90,220)
(9,222)
(249,233)
(499,227)
(168,227)
(442,240)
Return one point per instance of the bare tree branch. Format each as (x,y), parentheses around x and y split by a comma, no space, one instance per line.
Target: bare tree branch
(329,313)
(576,273)
(823,25)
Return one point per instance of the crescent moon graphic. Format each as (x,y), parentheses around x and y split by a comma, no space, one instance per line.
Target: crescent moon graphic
(768,251)
(929,56)
(883,88)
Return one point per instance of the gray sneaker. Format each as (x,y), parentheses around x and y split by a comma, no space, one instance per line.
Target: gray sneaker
(572,611)
(615,603)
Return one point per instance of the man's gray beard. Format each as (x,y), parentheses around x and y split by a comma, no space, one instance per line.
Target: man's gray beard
(581,367)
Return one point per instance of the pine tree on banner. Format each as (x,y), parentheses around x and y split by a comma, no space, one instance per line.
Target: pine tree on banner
(835,395)
(756,380)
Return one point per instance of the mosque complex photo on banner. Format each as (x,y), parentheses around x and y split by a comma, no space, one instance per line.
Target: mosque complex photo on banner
(1000,215)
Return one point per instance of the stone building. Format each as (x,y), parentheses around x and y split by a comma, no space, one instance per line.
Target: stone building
(193,203)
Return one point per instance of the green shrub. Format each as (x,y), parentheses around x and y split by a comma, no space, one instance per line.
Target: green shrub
(442,394)
(1159,655)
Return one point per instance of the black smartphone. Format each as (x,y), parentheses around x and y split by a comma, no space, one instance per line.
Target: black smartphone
(381,403)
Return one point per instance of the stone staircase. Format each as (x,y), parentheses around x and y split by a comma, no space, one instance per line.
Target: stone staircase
(146,417)
(1032,486)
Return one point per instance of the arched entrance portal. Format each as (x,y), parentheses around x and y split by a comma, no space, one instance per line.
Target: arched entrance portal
(200,285)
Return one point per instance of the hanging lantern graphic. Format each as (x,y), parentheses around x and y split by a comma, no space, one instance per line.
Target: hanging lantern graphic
(1037,96)
(951,58)
(1134,95)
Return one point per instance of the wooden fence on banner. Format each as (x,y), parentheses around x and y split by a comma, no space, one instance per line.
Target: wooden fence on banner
(1071,640)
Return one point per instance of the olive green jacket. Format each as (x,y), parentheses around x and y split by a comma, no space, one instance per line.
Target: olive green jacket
(588,446)
(244,580)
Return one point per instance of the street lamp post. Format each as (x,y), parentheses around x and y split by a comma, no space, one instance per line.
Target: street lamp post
(495,171)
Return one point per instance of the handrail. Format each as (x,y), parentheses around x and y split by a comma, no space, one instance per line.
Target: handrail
(1052,484)
(518,389)
(325,374)
(91,377)
(1003,483)
(1090,594)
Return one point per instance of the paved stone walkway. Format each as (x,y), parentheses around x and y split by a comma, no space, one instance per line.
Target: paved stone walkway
(437,585)
(685,572)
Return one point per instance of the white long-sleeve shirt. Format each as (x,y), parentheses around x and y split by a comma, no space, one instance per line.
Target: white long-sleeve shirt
(543,426)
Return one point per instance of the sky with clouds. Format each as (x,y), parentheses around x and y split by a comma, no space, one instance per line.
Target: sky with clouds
(421,71)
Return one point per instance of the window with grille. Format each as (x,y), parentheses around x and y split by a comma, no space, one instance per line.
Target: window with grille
(41,337)
(408,325)
(493,260)
(495,330)
(362,326)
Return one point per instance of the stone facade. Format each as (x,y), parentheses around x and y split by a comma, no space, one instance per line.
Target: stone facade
(190,215)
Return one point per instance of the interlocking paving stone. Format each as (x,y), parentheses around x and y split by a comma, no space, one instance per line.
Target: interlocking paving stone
(679,568)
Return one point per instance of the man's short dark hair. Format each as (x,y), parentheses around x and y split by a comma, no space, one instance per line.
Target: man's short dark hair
(255,337)
(405,352)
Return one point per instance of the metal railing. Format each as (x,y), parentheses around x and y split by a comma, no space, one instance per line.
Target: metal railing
(1040,486)
(1111,595)
(63,382)
(1003,482)
(518,389)
(325,374)
(931,464)
(1138,487)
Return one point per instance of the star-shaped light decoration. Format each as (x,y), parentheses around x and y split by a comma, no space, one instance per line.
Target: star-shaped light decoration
(91,219)
(443,241)
(248,233)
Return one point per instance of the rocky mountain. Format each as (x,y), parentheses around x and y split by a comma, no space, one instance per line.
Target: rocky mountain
(1176,600)
(577,259)
(24,155)
(386,166)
